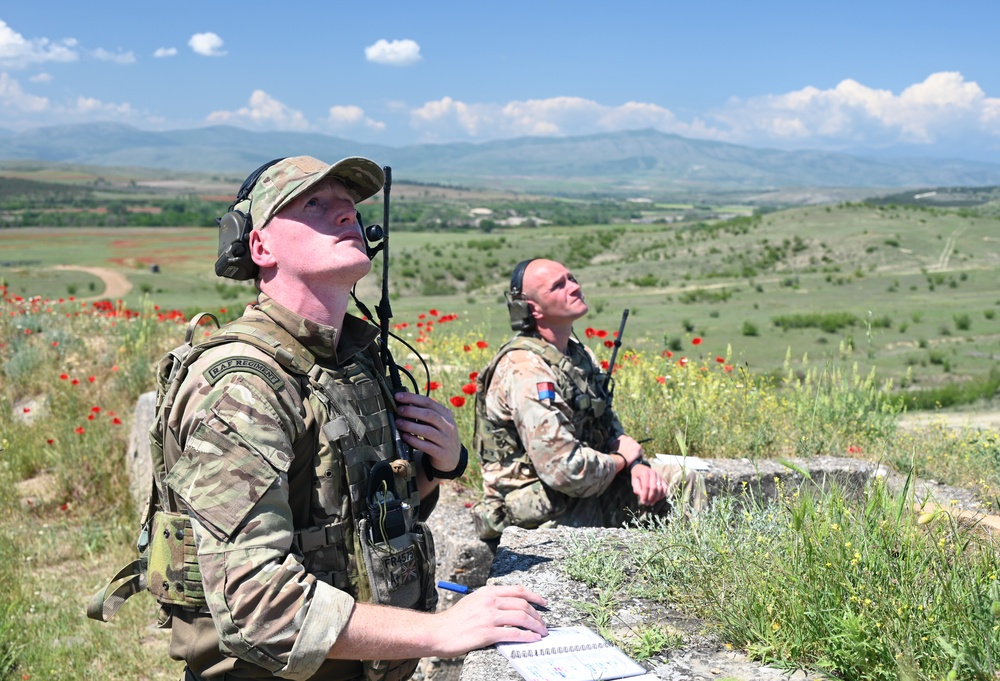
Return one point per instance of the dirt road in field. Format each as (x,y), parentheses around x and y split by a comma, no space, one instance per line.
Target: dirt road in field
(982,420)
(116,285)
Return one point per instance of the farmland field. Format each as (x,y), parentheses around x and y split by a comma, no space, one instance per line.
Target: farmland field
(910,292)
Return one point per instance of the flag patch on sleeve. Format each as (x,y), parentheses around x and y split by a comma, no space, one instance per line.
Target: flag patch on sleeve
(546,390)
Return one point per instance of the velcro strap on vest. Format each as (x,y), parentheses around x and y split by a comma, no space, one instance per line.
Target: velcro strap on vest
(314,538)
(129,581)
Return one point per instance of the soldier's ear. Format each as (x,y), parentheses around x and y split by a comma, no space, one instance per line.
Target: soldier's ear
(534,309)
(259,250)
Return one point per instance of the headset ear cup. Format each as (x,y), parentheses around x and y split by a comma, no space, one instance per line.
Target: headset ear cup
(234,260)
(521,318)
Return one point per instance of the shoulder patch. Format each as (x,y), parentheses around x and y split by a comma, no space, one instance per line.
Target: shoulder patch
(249,365)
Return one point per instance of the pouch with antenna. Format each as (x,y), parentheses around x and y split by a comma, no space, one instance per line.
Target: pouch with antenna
(385,508)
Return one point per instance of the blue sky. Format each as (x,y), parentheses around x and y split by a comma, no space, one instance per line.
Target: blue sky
(916,78)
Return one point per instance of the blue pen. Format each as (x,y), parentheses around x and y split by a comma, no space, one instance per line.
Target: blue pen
(452,586)
(462,589)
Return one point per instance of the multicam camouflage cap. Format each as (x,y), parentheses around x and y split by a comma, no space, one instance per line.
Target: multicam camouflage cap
(281,183)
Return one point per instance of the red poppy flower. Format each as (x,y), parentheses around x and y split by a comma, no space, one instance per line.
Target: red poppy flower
(474,375)
(683,361)
(467,348)
(728,368)
(589,331)
(50,441)
(64,507)
(458,401)
(854,449)
(421,316)
(696,341)
(63,377)
(604,364)
(27,410)
(55,344)
(433,385)
(482,345)
(408,367)
(433,312)
(91,378)
(79,430)
(90,417)
(75,381)
(116,421)
(601,333)
(114,368)
(96,410)
(609,344)
(469,388)
(720,360)
(222,310)
(661,380)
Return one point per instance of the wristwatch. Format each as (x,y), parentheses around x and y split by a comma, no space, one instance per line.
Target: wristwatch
(463,461)
(638,462)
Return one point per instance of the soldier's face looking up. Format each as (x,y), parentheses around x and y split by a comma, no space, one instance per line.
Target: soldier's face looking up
(317,237)
(553,292)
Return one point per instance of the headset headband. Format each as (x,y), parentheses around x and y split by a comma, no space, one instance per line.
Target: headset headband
(251,181)
(517,277)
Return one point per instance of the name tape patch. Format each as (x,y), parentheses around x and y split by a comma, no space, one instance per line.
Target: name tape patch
(247,365)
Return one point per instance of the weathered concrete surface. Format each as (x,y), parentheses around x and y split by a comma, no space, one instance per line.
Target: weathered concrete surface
(534,557)
(138,461)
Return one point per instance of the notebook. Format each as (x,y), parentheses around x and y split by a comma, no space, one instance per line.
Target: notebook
(571,654)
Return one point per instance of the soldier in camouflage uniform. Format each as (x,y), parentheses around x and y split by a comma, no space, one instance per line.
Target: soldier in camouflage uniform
(274,464)
(553,451)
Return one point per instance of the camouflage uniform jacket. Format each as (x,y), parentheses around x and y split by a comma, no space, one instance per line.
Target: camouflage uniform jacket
(248,480)
(535,422)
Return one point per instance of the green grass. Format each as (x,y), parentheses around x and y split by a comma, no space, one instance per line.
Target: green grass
(858,588)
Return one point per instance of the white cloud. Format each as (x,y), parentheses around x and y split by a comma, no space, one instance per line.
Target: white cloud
(263,112)
(162,52)
(394,53)
(90,107)
(41,78)
(12,97)
(206,44)
(116,57)
(347,117)
(445,118)
(943,106)
(17,52)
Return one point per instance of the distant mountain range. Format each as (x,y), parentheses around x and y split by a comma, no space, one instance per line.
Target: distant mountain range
(626,161)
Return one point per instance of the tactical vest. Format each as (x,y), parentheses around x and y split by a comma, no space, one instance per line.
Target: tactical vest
(363,534)
(581,385)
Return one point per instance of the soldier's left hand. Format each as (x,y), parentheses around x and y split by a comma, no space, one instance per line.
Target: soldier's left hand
(648,485)
(429,426)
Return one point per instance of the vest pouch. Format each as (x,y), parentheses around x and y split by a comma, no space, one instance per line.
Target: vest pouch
(400,571)
(533,504)
(174,575)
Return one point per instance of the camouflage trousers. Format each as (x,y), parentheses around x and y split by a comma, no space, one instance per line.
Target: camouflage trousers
(619,506)
(615,507)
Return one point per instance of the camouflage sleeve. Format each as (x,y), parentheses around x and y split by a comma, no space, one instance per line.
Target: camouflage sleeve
(237,440)
(520,392)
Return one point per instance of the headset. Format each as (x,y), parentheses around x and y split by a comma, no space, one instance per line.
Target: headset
(234,261)
(521,318)
(234,232)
